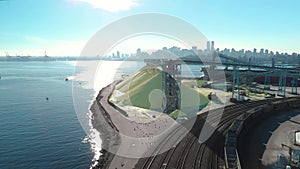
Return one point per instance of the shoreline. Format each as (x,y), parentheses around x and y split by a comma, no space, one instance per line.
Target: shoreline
(101,121)
(109,122)
(106,120)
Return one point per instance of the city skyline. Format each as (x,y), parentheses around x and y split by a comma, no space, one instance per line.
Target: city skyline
(210,48)
(34,27)
(246,56)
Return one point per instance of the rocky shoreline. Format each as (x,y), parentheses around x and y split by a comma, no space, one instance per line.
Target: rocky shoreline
(101,121)
(136,141)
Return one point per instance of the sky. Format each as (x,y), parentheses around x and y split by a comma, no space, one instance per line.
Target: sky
(63,27)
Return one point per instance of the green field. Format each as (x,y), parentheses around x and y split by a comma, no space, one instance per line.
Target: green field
(144,89)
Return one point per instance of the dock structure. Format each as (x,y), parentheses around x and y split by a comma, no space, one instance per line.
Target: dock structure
(280,76)
(267,75)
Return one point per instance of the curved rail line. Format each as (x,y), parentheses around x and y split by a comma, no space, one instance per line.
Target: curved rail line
(189,153)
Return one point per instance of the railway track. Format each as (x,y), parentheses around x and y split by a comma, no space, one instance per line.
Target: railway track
(189,153)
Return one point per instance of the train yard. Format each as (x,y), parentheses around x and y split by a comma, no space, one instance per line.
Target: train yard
(189,153)
(187,145)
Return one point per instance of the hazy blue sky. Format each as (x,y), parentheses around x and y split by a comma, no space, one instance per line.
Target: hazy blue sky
(62,27)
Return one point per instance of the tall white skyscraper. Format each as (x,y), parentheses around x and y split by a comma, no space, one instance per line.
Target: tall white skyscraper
(208,46)
(212,45)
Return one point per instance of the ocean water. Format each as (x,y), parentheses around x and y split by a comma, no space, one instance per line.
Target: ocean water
(40,133)
(35,132)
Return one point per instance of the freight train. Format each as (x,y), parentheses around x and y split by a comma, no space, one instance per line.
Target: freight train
(250,118)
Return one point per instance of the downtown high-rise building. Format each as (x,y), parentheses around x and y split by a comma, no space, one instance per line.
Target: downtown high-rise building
(212,46)
(208,46)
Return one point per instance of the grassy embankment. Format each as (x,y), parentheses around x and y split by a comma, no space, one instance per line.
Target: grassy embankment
(136,89)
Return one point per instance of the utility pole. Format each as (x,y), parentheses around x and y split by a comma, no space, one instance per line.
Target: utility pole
(282,83)
(295,85)
(233,82)
(267,82)
(236,81)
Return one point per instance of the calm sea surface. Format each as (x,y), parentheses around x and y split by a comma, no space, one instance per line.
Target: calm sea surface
(34,132)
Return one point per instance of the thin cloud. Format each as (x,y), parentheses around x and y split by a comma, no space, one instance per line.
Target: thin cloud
(111,5)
